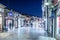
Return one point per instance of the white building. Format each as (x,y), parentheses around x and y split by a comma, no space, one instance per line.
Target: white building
(49,9)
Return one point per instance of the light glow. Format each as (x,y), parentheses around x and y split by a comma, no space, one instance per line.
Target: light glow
(47,3)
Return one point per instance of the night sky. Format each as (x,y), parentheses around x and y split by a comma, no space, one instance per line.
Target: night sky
(29,7)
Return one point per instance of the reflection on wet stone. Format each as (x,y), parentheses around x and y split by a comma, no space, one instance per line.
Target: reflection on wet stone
(23,34)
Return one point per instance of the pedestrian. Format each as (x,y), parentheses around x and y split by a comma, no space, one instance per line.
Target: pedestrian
(10,25)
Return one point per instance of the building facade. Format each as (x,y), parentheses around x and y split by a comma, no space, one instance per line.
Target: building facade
(2,11)
(49,10)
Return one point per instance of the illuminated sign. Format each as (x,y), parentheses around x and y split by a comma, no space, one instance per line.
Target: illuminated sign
(10,14)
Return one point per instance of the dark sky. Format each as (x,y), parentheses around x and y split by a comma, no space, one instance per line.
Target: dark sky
(30,7)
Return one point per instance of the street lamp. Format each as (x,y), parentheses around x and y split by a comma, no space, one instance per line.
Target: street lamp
(47,3)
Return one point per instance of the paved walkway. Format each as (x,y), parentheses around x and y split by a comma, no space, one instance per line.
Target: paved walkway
(27,33)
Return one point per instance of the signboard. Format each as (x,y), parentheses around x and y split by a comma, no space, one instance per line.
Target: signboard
(10,14)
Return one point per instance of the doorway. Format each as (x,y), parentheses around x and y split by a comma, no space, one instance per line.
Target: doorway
(9,24)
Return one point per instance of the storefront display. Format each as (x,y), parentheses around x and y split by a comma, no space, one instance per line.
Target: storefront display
(58,26)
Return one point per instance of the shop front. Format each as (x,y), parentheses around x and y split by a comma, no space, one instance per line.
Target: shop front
(58,25)
(16,21)
(1,17)
(9,22)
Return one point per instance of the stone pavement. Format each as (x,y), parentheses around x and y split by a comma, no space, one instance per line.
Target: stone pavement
(5,34)
(26,33)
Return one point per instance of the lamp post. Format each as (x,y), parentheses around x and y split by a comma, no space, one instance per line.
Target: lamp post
(47,4)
